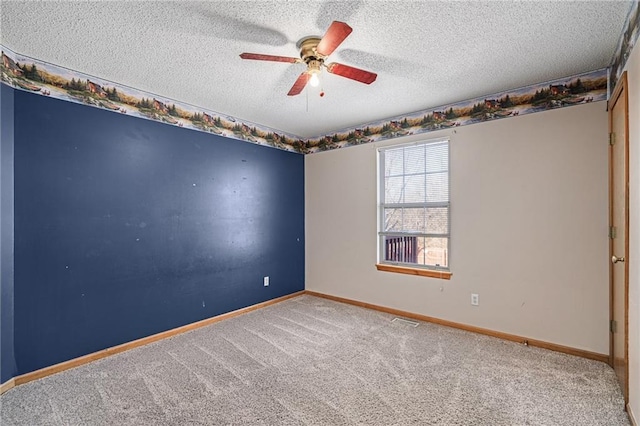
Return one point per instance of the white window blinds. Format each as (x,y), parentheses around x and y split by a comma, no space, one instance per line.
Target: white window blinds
(414,204)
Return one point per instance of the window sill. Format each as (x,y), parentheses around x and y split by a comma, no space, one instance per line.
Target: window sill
(432,273)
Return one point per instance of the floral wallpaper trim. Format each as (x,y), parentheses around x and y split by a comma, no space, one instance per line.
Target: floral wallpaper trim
(627,40)
(46,79)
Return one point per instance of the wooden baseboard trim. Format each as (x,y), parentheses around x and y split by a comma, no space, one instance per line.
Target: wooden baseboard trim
(76,362)
(474,329)
(632,418)
(7,385)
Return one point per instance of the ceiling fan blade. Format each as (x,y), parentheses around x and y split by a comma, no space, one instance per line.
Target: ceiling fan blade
(261,57)
(299,84)
(353,73)
(335,35)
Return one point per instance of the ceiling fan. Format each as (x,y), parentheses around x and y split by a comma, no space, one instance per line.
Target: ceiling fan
(313,52)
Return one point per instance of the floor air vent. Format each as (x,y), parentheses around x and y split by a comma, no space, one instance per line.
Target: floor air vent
(405,321)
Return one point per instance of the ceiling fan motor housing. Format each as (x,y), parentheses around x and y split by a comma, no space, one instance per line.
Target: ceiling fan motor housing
(308,52)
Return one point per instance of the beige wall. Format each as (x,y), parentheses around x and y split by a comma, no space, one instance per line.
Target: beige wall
(529,228)
(633,75)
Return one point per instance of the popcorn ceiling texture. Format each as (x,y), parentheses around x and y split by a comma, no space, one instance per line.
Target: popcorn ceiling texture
(425,53)
(310,361)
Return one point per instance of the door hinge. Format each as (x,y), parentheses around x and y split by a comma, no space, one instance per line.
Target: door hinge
(612,139)
(613,326)
(612,232)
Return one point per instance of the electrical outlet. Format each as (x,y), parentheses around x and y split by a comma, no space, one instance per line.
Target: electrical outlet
(265,280)
(475,299)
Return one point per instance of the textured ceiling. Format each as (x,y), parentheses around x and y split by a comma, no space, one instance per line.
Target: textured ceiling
(426,53)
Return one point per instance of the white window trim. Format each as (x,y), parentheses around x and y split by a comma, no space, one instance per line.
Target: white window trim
(399,266)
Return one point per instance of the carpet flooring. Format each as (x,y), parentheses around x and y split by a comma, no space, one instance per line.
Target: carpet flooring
(311,361)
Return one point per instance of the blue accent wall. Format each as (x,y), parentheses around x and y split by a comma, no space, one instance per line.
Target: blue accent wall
(127,227)
(7,359)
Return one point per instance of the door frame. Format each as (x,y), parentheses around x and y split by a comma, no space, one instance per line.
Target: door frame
(620,93)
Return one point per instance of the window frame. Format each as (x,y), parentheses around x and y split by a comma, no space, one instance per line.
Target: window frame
(408,267)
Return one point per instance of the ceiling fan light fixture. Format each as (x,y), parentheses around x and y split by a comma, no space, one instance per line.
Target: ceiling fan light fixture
(313,69)
(314,80)
(313,52)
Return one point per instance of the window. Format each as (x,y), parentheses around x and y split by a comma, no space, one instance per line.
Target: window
(413,229)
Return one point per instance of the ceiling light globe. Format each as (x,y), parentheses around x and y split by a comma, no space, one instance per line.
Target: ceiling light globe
(314,81)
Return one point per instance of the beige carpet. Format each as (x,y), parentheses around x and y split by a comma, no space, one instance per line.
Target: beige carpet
(310,361)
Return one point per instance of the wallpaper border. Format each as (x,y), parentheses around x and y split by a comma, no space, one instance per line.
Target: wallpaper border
(628,38)
(39,77)
(43,78)
(574,90)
